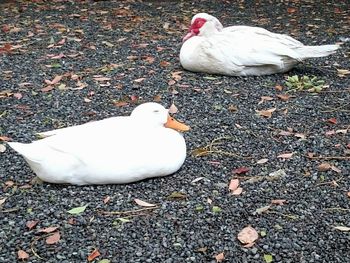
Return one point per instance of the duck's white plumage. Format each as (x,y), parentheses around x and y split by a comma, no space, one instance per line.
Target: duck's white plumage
(116,150)
(242,50)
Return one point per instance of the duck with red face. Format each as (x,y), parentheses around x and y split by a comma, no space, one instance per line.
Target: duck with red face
(242,50)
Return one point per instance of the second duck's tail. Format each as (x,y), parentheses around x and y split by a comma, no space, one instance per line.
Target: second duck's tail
(316,51)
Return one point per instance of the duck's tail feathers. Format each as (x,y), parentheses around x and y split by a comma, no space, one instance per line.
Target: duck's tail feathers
(27,150)
(316,51)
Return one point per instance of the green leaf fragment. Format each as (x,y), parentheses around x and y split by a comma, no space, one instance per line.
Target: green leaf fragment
(77,210)
(262,233)
(268,258)
(104,261)
(216,209)
(199,208)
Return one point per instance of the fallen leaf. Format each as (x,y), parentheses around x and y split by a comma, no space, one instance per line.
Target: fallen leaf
(268,258)
(120,103)
(5,138)
(264,98)
(173,109)
(77,210)
(143,203)
(278,201)
(220,257)
(157,98)
(106,199)
(177,195)
(343,72)
(262,209)
(329,133)
(238,191)
(283,97)
(300,135)
(278,87)
(241,170)
(332,120)
(335,169)
(176,75)
(266,113)
(94,254)
(2,201)
(53,239)
(139,80)
(48,88)
(343,131)
(32,224)
(197,180)
(342,228)
(285,133)
(164,63)
(234,183)
(285,155)
(324,167)
(21,254)
(248,235)
(104,261)
(291,10)
(48,229)
(262,161)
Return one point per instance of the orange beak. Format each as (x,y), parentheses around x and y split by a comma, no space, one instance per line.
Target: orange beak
(174,124)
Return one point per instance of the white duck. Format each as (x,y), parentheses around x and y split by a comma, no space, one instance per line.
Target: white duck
(111,151)
(242,50)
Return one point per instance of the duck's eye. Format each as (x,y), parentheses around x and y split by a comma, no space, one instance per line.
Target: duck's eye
(156,111)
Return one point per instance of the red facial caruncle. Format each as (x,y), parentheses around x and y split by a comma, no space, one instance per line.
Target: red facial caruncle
(194,28)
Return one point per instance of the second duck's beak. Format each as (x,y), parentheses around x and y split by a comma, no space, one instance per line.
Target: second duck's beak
(174,124)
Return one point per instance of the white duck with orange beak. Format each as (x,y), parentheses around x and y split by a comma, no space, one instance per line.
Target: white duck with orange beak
(115,150)
(242,50)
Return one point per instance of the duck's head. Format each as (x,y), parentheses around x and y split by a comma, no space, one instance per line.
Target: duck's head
(154,114)
(203,24)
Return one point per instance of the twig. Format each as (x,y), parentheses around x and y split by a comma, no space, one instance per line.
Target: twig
(293,217)
(32,247)
(10,210)
(329,157)
(337,108)
(337,209)
(128,212)
(330,182)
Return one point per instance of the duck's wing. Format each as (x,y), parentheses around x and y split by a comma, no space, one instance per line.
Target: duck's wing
(239,49)
(284,39)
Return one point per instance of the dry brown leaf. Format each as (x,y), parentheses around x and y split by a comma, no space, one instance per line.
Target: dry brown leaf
(173,109)
(48,229)
(278,201)
(106,199)
(164,63)
(157,98)
(48,88)
(21,254)
(234,183)
(266,113)
(120,103)
(171,82)
(283,97)
(176,75)
(248,235)
(264,98)
(53,239)
(262,161)
(285,155)
(343,72)
(32,224)
(94,254)
(324,167)
(238,191)
(101,78)
(300,135)
(143,203)
(220,257)
(278,87)
(348,194)
(285,133)
(335,169)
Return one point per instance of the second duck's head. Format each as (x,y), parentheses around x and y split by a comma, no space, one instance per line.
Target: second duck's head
(203,24)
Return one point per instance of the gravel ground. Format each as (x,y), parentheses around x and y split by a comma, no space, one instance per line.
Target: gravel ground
(135,45)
